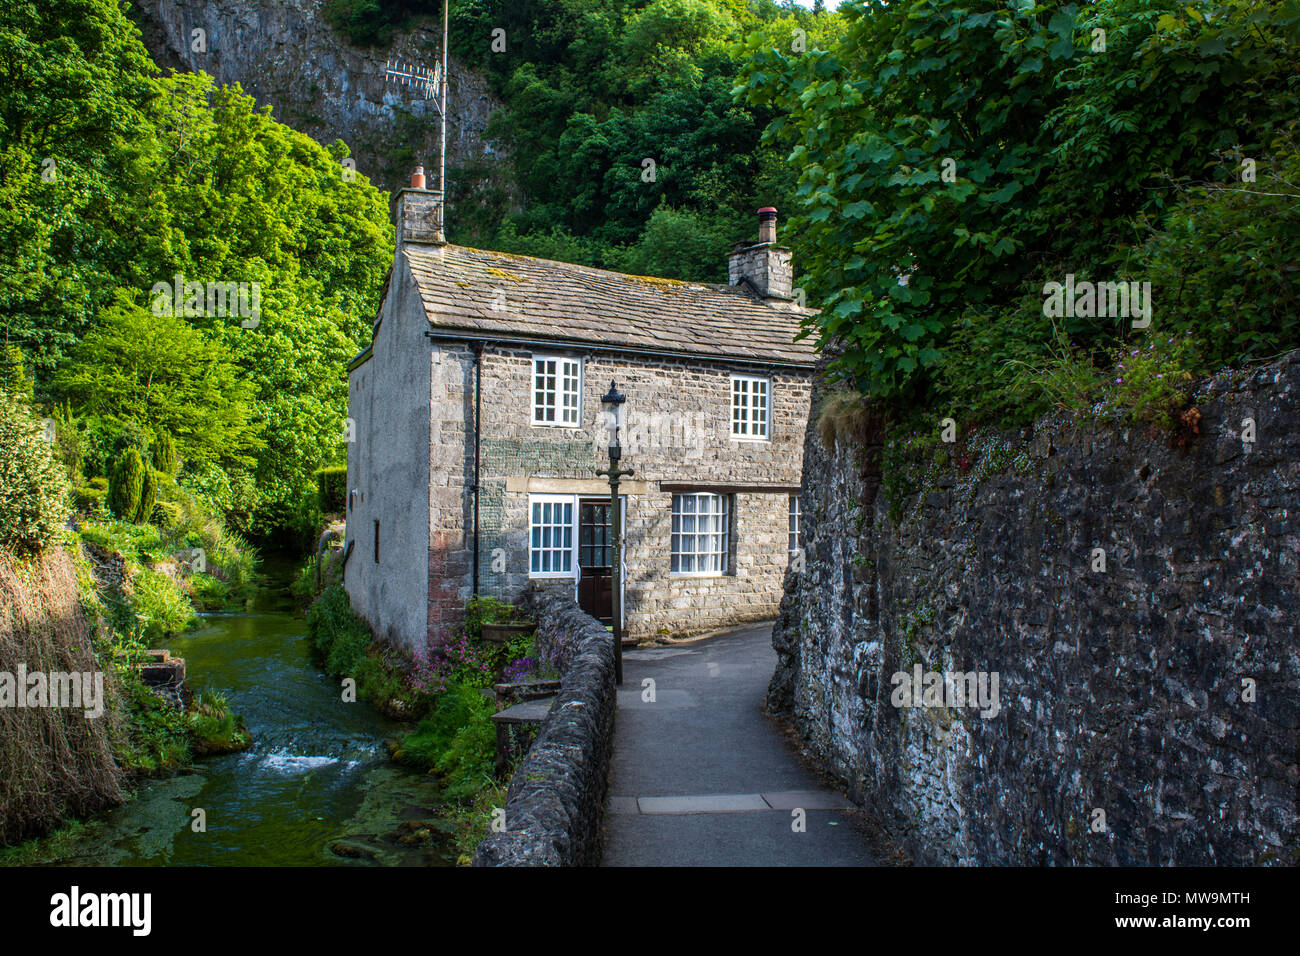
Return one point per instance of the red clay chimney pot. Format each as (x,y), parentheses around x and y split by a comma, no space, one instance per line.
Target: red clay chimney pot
(417,178)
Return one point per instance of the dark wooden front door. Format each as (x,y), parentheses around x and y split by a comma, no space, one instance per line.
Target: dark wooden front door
(595,559)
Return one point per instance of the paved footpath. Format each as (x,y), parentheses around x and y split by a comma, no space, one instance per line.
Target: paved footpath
(701,777)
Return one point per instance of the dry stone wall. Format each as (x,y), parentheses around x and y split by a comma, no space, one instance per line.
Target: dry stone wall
(555,799)
(1148,713)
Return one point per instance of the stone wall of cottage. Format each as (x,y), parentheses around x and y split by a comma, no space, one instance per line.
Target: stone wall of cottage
(1149,710)
(389,398)
(677,430)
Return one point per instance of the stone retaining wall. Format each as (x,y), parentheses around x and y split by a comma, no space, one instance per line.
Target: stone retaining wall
(1149,708)
(553,807)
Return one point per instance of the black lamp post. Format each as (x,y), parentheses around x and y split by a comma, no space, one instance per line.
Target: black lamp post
(613,402)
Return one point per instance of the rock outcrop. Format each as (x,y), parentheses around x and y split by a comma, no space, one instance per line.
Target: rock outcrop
(283,53)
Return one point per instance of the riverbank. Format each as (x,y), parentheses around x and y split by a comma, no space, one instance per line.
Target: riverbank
(315,788)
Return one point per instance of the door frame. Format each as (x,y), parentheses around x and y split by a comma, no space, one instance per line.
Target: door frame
(622,550)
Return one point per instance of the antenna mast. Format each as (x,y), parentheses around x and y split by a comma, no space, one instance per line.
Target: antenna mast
(442,109)
(432,85)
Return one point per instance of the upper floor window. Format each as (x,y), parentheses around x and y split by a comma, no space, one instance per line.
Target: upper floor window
(557,391)
(750,407)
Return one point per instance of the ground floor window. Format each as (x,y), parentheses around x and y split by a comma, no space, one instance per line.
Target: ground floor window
(701,537)
(550,536)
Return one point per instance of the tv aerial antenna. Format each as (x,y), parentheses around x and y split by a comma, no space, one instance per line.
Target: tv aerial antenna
(431,85)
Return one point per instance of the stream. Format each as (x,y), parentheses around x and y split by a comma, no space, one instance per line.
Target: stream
(316,788)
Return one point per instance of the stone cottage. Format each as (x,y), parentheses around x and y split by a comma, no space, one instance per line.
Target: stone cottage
(477,428)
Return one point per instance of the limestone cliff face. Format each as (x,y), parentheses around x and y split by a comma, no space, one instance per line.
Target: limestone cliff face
(285,54)
(1147,710)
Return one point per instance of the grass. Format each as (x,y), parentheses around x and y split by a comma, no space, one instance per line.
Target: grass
(469,824)
(54,845)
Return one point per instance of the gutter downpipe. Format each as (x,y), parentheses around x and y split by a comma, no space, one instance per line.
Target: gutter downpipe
(477,347)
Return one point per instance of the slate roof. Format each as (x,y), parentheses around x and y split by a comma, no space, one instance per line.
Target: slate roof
(561,302)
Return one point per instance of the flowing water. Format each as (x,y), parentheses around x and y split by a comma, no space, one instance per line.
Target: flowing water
(316,780)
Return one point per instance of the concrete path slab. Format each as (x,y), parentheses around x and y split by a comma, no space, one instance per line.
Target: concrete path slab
(701,777)
(807,800)
(706,803)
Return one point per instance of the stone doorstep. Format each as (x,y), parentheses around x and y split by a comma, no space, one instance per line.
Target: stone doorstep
(730,803)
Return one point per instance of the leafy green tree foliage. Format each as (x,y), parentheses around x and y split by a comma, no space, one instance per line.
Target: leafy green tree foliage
(33,484)
(13,373)
(1225,256)
(151,178)
(952,159)
(332,489)
(594,88)
(74,86)
(141,367)
(680,244)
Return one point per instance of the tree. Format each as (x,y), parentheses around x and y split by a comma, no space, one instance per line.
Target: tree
(952,161)
(157,371)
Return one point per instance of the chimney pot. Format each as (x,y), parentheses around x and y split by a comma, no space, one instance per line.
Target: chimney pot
(767,224)
(417,178)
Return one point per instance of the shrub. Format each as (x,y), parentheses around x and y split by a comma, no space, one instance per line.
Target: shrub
(209,592)
(160,605)
(332,489)
(164,454)
(458,740)
(33,484)
(1224,262)
(1152,382)
(131,434)
(69,440)
(156,740)
(13,374)
(213,729)
(481,610)
(458,660)
(340,637)
(148,495)
(125,484)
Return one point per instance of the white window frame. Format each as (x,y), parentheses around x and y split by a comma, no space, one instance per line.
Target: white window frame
(677,521)
(795,518)
(559,407)
(751,421)
(570,528)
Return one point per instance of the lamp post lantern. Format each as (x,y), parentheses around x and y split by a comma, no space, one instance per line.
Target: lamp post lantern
(613,402)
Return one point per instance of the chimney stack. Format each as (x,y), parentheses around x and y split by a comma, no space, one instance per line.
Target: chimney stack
(418,212)
(764,267)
